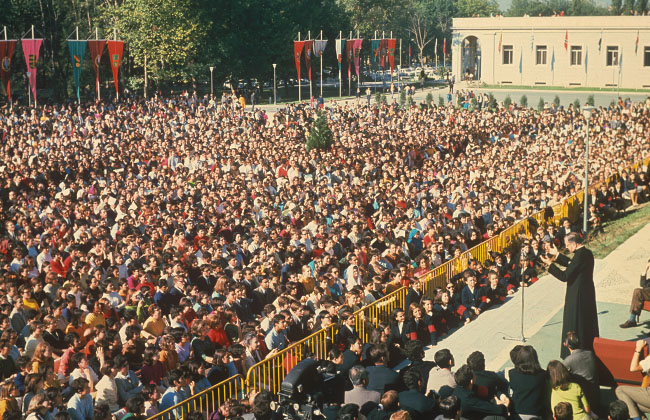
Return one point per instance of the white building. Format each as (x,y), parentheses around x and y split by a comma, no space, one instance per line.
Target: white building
(594,51)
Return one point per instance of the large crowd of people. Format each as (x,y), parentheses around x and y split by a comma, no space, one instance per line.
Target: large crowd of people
(156,247)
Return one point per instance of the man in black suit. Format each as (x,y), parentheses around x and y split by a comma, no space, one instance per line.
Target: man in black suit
(347,330)
(413,400)
(380,377)
(487,384)
(414,294)
(414,351)
(262,296)
(580,312)
(471,406)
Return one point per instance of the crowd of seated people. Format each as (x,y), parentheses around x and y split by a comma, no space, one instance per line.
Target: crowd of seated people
(155,247)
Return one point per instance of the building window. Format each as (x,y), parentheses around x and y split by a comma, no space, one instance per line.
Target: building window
(576,55)
(507,54)
(612,56)
(646,56)
(540,55)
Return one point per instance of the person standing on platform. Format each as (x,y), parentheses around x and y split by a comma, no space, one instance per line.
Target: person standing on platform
(580,313)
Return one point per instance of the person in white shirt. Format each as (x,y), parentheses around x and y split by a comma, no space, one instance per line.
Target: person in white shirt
(83,370)
(113,297)
(106,388)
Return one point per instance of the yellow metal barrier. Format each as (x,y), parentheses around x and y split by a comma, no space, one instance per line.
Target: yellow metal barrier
(206,401)
(269,373)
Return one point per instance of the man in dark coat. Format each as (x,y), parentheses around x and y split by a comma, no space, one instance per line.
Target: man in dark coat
(413,400)
(580,313)
(380,377)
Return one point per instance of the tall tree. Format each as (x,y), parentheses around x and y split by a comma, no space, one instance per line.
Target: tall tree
(628,7)
(616,7)
(164,37)
(484,8)
(641,6)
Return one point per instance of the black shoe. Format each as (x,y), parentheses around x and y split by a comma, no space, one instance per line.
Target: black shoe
(628,324)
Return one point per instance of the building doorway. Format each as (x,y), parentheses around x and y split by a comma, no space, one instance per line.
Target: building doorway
(471,59)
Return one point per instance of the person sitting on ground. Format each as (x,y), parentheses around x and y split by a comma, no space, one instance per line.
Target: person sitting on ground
(380,377)
(637,402)
(639,297)
(563,411)
(80,406)
(420,406)
(441,379)
(471,406)
(618,411)
(582,365)
(488,384)
(360,394)
(564,389)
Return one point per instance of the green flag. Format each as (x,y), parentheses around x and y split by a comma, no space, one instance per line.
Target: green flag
(77,51)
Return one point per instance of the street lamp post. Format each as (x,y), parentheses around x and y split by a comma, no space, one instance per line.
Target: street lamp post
(586,112)
(275,101)
(211,83)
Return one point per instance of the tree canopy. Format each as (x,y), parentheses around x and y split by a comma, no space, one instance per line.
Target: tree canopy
(241,39)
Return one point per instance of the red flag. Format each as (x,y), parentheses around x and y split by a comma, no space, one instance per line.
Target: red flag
(31,49)
(308,50)
(6,52)
(500,41)
(297,52)
(444,48)
(566,40)
(357,53)
(391,53)
(382,52)
(349,52)
(96,48)
(636,45)
(115,49)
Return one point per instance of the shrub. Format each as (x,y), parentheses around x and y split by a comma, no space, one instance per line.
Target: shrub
(556,101)
(507,102)
(576,103)
(492,102)
(590,100)
(523,101)
(429,99)
(320,136)
(441,101)
(540,104)
(378,98)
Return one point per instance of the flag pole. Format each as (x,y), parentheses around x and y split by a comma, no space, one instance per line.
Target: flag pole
(374,76)
(311,94)
(391,69)
(341,64)
(35,104)
(299,84)
(99,94)
(399,71)
(350,68)
(115,39)
(321,65)
(383,82)
(77,36)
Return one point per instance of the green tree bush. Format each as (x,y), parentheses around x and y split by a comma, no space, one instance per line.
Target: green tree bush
(320,136)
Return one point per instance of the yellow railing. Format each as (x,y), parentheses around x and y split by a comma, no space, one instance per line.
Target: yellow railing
(269,373)
(206,401)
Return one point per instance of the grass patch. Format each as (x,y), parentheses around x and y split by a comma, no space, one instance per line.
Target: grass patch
(616,232)
(574,89)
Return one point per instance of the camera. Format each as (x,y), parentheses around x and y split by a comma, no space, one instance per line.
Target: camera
(304,390)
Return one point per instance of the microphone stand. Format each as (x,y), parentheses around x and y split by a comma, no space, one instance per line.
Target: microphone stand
(523,337)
